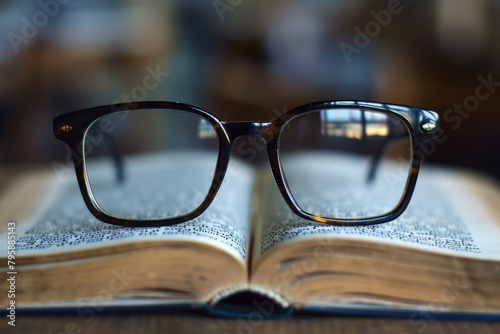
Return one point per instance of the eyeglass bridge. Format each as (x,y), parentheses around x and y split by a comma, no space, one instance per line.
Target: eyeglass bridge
(239,129)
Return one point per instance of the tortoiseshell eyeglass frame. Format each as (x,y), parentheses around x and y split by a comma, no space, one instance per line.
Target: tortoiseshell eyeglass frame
(422,126)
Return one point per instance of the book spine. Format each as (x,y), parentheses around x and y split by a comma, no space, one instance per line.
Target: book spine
(254,302)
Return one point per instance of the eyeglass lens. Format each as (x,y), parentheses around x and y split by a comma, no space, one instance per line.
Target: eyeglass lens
(345,163)
(150,164)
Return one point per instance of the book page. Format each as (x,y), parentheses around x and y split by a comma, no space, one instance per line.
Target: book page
(445,215)
(62,222)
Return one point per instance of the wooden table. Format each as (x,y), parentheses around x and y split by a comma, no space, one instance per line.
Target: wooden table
(168,322)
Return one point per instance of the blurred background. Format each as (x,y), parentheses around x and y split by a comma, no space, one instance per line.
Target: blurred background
(251,60)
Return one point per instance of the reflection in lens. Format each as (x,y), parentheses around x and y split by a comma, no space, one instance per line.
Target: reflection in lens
(150,164)
(345,163)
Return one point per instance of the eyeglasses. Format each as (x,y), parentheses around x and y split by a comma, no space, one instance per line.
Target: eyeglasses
(147,164)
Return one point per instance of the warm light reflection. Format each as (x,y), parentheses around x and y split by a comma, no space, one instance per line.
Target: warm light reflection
(353,124)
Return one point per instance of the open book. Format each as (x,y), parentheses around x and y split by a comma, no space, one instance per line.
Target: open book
(249,251)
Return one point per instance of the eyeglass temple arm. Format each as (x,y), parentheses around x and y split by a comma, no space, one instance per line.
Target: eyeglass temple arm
(377,157)
(117,159)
